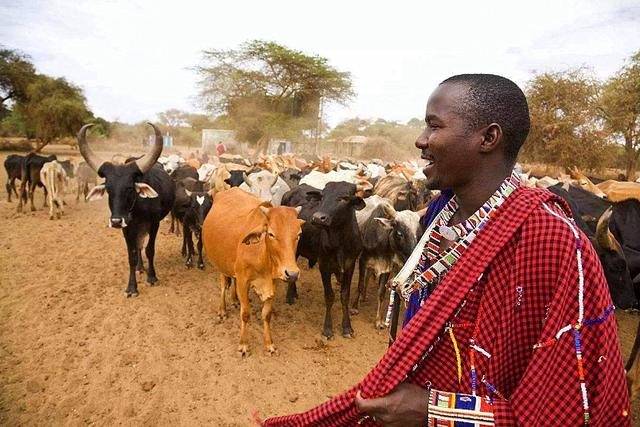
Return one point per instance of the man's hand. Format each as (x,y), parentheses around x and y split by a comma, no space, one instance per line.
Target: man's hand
(405,406)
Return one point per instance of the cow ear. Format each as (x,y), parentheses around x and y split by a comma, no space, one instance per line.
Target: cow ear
(358,202)
(386,223)
(145,191)
(96,193)
(298,209)
(254,236)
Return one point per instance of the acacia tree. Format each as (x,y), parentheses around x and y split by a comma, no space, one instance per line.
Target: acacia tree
(565,129)
(267,90)
(620,108)
(53,108)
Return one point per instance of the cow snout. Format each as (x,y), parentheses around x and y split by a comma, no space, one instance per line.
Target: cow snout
(118,223)
(292,275)
(320,218)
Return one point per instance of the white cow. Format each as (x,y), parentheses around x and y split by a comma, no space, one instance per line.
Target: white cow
(266,186)
(53,176)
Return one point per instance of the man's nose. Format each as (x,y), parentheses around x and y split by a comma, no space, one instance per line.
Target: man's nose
(422,140)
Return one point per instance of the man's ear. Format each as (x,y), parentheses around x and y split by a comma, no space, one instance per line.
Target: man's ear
(96,193)
(254,235)
(491,138)
(145,191)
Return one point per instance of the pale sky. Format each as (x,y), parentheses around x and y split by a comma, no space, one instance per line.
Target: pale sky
(133,58)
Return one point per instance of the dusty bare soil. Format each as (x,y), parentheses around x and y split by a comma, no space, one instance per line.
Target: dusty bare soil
(75,351)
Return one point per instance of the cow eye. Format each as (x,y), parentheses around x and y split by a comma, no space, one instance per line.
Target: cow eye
(399,233)
(271,235)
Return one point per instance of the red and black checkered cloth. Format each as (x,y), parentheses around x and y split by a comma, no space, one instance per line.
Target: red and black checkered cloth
(528,291)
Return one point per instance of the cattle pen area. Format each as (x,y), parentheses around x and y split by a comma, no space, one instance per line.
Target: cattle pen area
(74,350)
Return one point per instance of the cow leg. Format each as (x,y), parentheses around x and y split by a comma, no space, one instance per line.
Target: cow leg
(329,297)
(46,196)
(233,285)
(132,250)
(243,295)
(187,241)
(267,309)
(10,184)
(382,293)
(32,192)
(362,284)
(200,260)
(152,279)
(85,190)
(171,229)
(292,292)
(140,265)
(345,293)
(222,310)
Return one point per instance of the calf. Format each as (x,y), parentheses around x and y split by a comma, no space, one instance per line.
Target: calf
(254,243)
(30,178)
(178,174)
(140,195)
(53,176)
(13,164)
(85,176)
(388,238)
(332,237)
(182,203)
(199,206)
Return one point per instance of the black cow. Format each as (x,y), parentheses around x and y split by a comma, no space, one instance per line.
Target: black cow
(140,195)
(331,236)
(182,203)
(181,172)
(199,207)
(237,178)
(30,177)
(595,217)
(13,165)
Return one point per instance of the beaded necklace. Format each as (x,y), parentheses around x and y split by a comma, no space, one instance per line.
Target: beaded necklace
(461,235)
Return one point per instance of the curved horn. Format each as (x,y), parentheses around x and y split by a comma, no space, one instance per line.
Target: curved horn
(275,180)
(604,238)
(89,156)
(389,210)
(148,160)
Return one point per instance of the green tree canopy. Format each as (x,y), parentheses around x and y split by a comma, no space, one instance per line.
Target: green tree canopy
(620,108)
(16,73)
(565,129)
(54,108)
(268,90)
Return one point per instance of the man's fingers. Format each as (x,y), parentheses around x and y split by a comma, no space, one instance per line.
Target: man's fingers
(373,407)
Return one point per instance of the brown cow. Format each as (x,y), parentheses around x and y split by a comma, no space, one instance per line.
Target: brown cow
(254,243)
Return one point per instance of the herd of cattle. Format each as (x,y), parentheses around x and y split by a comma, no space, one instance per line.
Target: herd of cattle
(256,219)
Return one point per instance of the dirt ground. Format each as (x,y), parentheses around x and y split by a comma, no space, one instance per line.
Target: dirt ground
(75,351)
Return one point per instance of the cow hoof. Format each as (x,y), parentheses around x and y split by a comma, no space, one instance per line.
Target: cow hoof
(222,317)
(354,311)
(243,349)
(327,333)
(290,301)
(188,264)
(235,305)
(152,280)
(272,350)
(34,209)
(380,325)
(130,294)
(201,266)
(348,332)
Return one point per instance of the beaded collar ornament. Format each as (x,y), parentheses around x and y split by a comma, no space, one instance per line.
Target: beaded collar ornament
(415,275)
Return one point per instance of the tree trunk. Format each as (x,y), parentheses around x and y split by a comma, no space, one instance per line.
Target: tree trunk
(261,145)
(40,146)
(631,158)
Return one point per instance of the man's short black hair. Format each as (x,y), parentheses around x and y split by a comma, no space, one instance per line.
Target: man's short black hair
(495,99)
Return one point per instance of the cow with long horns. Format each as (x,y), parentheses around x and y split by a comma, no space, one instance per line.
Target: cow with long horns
(140,196)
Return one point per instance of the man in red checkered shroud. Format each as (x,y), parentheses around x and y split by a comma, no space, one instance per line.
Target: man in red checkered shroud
(509,319)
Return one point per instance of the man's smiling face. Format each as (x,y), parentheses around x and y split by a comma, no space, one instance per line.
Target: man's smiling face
(446,143)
